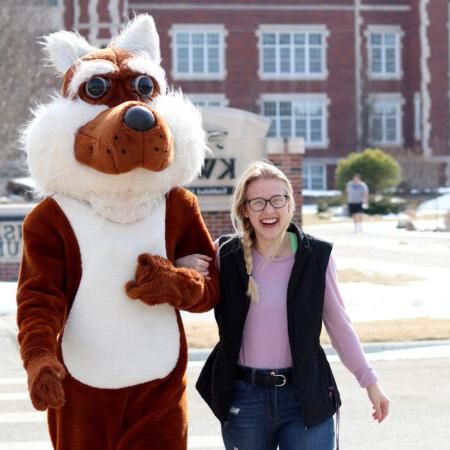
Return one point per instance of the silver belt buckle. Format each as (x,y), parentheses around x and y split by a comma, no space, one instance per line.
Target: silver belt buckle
(283,379)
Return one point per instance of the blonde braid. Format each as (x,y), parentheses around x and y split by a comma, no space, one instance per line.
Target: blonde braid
(247,243)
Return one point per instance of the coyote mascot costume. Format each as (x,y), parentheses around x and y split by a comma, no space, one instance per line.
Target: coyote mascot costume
(99,296)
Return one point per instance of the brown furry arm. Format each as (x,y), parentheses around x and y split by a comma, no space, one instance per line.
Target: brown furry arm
(159,281)
(41,307)
(196,239)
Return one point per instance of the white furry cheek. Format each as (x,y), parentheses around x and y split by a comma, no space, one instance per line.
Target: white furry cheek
(49,143)
(185,123)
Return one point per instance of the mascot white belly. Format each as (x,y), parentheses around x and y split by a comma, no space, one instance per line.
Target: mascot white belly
(110,341)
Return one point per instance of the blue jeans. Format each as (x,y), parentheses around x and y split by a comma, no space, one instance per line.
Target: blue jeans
(263,418)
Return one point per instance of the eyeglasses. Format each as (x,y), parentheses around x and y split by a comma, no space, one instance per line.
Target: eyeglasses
(258,204)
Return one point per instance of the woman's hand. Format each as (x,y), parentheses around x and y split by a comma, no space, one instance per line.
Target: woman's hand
(380,402)
(197,262)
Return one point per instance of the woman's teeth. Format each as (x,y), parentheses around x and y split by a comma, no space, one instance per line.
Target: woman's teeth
(269,221)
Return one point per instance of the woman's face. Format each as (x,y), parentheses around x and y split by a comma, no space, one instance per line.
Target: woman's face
(269,222)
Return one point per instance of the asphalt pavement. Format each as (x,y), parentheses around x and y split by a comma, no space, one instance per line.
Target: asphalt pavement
(414,375)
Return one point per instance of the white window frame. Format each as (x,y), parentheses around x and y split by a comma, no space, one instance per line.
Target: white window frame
(306,170)
(417,116)
(295,98)
(291,29)
(198,28)
(387,98)
(384,29)
(205,100)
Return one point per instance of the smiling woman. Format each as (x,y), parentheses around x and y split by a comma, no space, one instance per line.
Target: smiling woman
(268,380)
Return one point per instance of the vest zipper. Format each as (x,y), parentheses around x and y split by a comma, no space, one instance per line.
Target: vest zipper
(289,317)
(294,371)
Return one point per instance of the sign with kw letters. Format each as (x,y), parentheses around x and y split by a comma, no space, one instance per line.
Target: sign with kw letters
(10,239)
(235,137)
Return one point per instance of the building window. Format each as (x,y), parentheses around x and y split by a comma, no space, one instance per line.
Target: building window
(198,51)
(384,53)
(417,117)
(386,120)
(314,177)
(208,99)
(292,52)
(298,116)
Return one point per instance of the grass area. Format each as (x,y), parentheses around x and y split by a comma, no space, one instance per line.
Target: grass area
(403,330)
(204,334)
(392,279)
(314,219)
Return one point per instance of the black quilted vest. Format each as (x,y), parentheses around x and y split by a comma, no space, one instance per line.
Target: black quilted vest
(312,376)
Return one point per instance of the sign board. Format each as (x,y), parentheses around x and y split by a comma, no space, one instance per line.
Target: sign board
(11,218)
(235,138)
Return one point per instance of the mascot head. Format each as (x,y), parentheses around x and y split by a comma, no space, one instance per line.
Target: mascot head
(115,136)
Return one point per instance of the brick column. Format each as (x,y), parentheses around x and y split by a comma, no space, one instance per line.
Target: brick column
(291,165)
(218,223)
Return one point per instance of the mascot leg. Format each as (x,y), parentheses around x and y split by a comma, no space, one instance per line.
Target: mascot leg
(148,416)
(90,419)
(156,416)
(151,415)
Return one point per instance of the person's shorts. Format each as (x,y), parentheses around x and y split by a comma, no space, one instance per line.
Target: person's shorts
(355,208)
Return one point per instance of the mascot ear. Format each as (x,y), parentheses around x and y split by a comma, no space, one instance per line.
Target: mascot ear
(64,48)
(139,36)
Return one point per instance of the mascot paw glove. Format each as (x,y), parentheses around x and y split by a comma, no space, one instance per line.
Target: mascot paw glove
(45,375)
(158,281)
(153,273)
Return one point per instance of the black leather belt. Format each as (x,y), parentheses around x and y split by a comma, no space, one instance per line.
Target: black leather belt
(263,378)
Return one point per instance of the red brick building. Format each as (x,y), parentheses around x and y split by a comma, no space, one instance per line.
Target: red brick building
(343,74)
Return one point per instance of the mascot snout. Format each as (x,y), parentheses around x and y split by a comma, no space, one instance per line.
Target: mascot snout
(123,138)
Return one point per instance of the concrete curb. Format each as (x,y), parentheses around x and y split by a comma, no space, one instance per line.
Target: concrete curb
(8,331)
(369,347)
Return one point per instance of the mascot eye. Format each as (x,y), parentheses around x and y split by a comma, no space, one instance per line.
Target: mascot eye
(143,86)
(97,87)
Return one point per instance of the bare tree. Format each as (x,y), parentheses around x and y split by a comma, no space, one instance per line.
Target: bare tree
(24,79)
(418,172)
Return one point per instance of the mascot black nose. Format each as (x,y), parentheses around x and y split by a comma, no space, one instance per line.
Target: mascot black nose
(139,118)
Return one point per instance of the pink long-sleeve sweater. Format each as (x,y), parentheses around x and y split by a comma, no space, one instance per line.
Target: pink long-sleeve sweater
(265,341)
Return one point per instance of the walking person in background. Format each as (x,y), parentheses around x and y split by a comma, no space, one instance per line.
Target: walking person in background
(268,380)
(357,199)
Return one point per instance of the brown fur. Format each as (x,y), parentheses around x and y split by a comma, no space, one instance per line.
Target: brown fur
(152,415)
(149,416)
(120,91)
(45,375)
